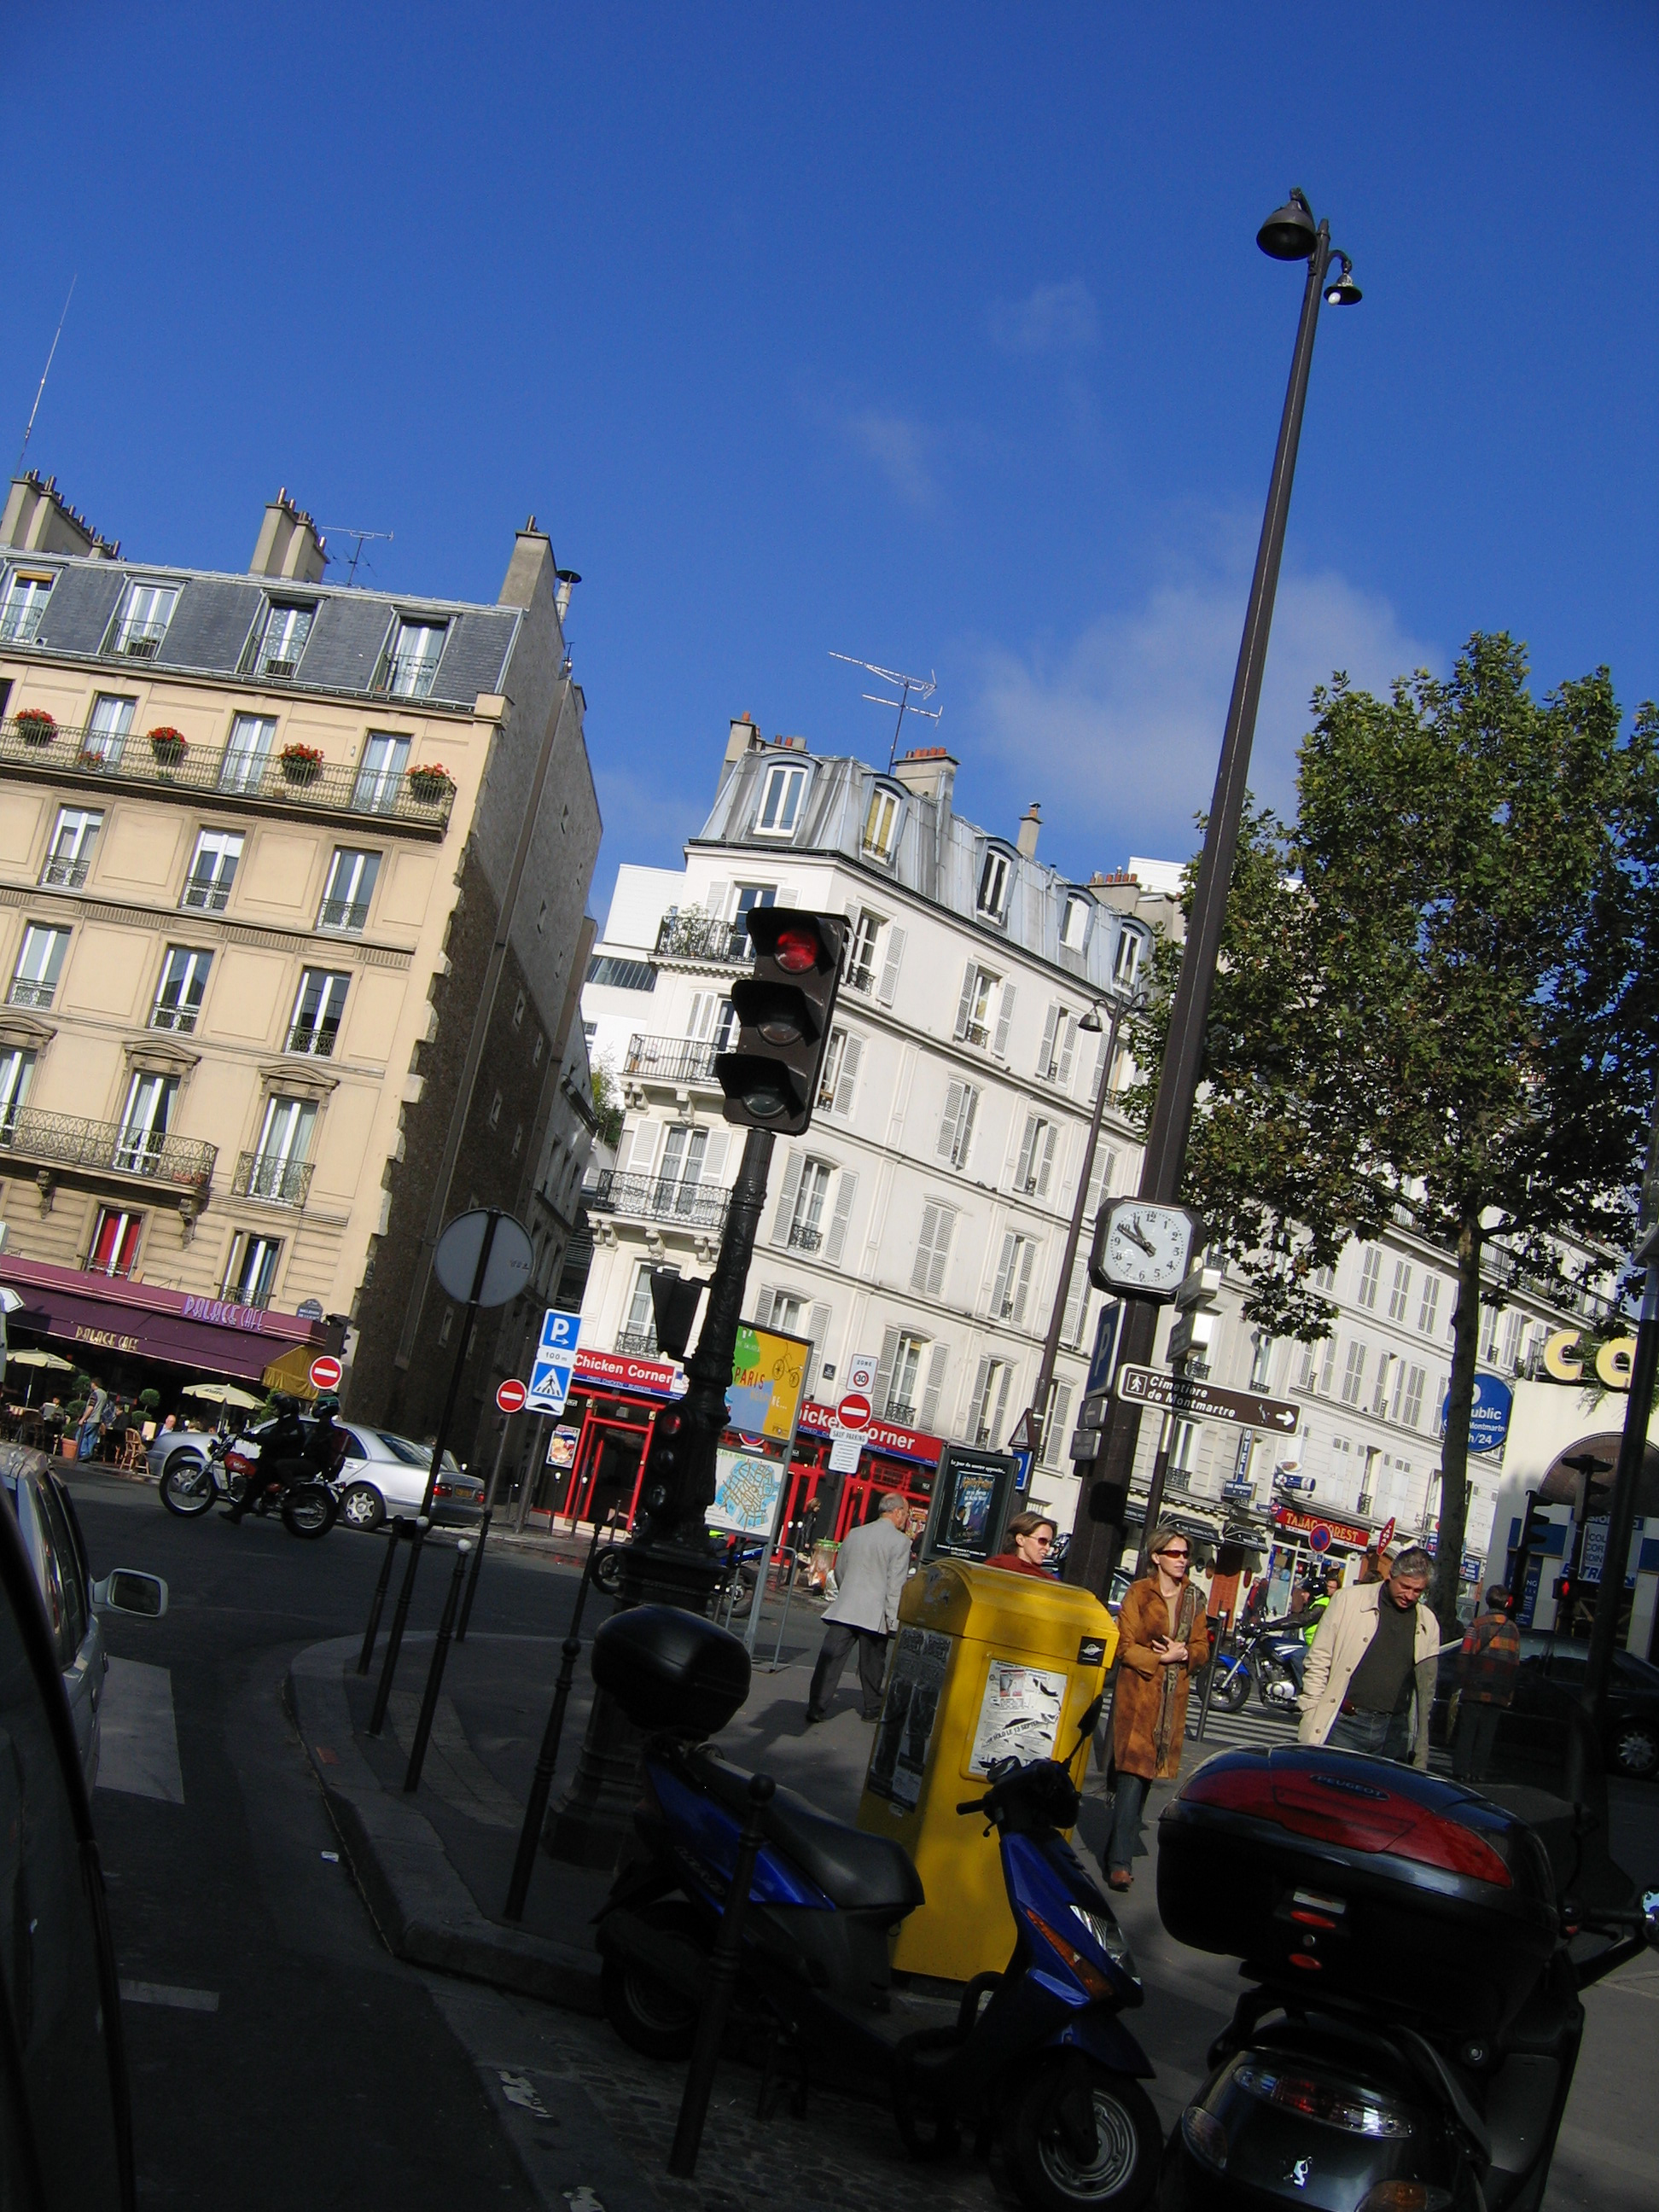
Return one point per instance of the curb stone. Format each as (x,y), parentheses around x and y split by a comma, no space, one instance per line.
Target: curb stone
(423,1910)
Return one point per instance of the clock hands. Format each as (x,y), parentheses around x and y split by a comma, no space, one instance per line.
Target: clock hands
(1137,1235)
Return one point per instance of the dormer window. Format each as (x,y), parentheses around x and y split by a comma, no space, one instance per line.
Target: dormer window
(1074,923)
(881,824)
(25,603)
(146,611)
(283,638)
(991,902)
(782,796)
(1126,965)
(412,660)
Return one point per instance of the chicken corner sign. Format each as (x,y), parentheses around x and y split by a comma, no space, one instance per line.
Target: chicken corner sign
(1563,1361)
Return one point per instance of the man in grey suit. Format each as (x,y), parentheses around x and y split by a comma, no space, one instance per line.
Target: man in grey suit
(869,1571)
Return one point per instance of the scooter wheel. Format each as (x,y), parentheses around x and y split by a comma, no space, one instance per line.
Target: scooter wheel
(1053,2172)
(650,2017)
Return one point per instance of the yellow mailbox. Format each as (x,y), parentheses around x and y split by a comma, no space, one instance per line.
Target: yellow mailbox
(986,1662)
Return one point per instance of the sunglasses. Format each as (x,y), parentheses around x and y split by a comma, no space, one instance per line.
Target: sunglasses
(1039,1538)
(1183,1556)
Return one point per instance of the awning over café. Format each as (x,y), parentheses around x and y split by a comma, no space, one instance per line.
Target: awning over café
(99,1313)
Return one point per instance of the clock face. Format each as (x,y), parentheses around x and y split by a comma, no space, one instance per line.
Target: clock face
(1146,1248)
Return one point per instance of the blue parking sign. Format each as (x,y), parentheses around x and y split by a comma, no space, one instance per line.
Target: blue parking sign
(554,1363)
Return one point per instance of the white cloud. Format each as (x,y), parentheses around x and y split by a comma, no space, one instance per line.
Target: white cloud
(899,446)
(1051,319)
(1126,719)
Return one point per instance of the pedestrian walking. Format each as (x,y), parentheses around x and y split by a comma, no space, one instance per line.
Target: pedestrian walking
(1162,1637)
(869,1571)
(1030,1539)
(1369,1681)
(1486,1683)
(92,1421)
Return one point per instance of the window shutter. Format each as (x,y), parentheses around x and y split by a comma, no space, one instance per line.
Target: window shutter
(715,1159)
(1023,1172)
(1027,1255)
(884,1372)
(890,966)
(763,1307)
(965,1007)
(818,1328)
(978,1398)
(1067,1053)
(937,1359)
(1004,1016)
(714,899)
(920,1265)
(969,1108)
(1046,1166)
(1077,1297)
(644,1148)
(1001,1415)
(787,1196)
(947,1127)
(1055,1435)
(1046,1057)
(944,1229)
(847,1085)
(701,1020)
(845,1188)
(1004,1269)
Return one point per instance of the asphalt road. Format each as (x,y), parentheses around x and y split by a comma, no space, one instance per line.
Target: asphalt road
(279,2055)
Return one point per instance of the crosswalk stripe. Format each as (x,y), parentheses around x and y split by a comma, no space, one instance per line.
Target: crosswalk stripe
(138,1751)
(165,1993)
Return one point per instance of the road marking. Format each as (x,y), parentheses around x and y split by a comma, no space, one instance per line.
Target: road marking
(139,1753)
(164,1993)
(519,2089)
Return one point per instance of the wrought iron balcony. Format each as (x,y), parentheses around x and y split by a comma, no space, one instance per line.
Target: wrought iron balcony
(636,1343)
(803,1236)
(78,757)
(689,933)
(670,1059)
(65,875)
(318,1042)
(902,1415)
(64,1140)
(654,1198)
(25,992)
(346,916)
(277,1181)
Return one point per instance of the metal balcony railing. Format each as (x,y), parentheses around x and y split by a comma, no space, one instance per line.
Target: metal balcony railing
(277,1181)
(636,1343)
(409,675)
(19,625)
(74,756)
(182,1019)
(24,993)
(653,1198)
(803,1236)
(347,915)
(65,1140)
(689,933)
(203,898)
(318,1042)
(140,641)
(65,875)
(671,1059)
(898,1412)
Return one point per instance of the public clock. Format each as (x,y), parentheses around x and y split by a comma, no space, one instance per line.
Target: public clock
(1142,1250)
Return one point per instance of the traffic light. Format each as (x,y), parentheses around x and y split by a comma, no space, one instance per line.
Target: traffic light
(1566,1589)
(666,1466)
(771,1080)
(674,1299)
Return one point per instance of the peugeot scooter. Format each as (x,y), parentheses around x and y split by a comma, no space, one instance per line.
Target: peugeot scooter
(1036,2056)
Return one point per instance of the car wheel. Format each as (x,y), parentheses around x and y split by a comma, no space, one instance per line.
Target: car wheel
(362,1506)
(1635,1748)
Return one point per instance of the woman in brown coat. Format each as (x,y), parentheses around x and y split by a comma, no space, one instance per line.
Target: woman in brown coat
(1161,1638)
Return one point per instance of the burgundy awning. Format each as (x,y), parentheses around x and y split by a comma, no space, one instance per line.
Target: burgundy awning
(141,1320)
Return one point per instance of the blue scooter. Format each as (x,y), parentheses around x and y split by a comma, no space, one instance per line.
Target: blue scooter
(1034,2059)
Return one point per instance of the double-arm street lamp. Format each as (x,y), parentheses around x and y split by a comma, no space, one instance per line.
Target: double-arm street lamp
(1289,234)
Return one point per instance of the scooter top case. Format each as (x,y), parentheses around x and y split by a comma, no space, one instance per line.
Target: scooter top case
(672,1672)
(1325,1872)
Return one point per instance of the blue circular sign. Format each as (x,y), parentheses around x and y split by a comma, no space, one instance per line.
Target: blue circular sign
(1489,1413)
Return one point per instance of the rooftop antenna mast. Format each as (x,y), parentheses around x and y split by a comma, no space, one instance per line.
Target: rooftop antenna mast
(363,537)
(923,686)
(44,374)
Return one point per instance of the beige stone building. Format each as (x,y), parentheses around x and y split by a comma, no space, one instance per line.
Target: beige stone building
(292,883)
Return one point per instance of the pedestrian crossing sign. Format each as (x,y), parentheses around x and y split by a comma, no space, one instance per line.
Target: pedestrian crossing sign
(554,1363)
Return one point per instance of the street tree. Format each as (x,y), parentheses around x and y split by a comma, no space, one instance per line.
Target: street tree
(1437,1004)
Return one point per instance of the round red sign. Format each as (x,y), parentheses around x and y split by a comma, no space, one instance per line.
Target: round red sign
(326,1372)
(853,1412)
(1320,1537)
(511,1394)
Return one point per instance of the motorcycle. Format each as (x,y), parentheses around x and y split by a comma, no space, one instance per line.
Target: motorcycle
(1262,1655)
(191,1486)
(1036,2056)
(1417,1955)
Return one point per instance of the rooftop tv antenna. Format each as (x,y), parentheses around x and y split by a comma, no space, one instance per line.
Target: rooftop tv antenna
(923,686)
(363,537)
(44,374)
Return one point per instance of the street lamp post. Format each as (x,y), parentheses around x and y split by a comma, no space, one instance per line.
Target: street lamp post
(1289,234)
(1092,1026)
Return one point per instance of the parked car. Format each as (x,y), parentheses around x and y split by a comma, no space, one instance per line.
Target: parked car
(1630,1743)
(46,1519)
(383,1473)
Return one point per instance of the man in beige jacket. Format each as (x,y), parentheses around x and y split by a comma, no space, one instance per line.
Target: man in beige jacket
(1369,1682)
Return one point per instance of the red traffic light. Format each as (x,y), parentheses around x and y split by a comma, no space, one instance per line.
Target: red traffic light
(796,950)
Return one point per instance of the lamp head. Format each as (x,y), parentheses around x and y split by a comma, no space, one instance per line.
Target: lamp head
(1342,291)
(1091,1023)
(1290,233)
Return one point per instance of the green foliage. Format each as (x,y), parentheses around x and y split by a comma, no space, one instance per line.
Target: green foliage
(1439,999)
(150,1400)
(607,1104)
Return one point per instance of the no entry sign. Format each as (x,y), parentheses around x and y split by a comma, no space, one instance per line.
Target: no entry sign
(511,1394)
(853,1411)
(326,1372)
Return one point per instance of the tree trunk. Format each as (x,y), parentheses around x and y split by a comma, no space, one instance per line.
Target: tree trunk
(1454,1444)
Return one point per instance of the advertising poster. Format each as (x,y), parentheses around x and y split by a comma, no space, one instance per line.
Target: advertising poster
(747,1489)
(972,1497)
(899,1756)
(561,1447)
(1019,1714)
(768,1381)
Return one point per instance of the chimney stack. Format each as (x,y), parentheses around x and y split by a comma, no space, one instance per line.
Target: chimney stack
(1029,823)
(40,520)
(929,771)
(290,548)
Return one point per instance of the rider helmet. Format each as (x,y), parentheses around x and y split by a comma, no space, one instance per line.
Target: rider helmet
(326,1408)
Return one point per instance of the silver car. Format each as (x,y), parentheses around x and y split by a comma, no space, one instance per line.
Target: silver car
(382,1472)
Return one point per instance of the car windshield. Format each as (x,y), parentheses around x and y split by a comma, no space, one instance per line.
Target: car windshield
(414,1454)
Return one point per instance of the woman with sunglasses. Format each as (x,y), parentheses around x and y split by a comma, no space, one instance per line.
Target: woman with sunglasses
(1030,1539)
(1161,1639)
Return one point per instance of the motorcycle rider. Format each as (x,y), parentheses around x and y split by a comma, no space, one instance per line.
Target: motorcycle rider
(329,1441)
(283,1455)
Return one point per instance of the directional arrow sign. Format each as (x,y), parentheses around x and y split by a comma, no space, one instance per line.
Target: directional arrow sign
(1205,1401)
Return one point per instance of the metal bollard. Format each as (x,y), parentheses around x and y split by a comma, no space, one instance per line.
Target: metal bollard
(1209,1691)
(541,1785)
(436,1672)
(399,1527)
(722,1978)
(472,1579)
(788,1599)
(399,1622)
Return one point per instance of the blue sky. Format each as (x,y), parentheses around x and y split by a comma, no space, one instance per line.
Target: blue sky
(935,335)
